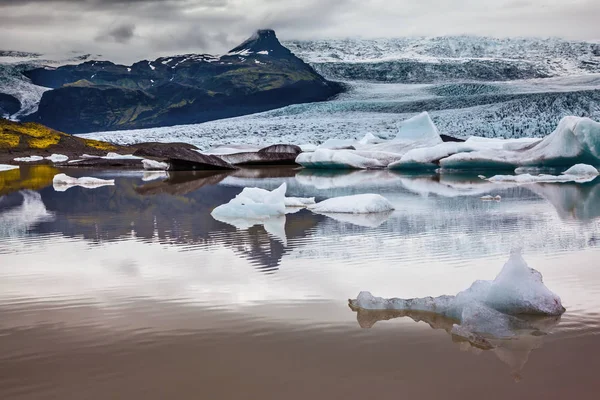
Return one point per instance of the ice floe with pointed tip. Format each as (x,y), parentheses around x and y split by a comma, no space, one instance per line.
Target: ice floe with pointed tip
(29,159)
(356,204)
(62,182)
(518,289)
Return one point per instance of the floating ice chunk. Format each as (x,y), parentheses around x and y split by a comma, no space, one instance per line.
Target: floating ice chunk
(155,165)
(253,204)
(263,52)
(117,156)
(29,159)
(357,204)
(581,170)
(62,182)
(483,143)
(341,159)
(543,178)
(89,157)
(489,197)
(428,157)
(258,195)
(56,158)
(5,167)
(575,140)
(419,128)
(518,289)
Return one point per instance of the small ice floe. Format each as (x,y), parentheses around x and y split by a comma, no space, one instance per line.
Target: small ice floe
(57,158)
(255,206)
(91,157)
(6,167)
(29,159)
(62,182)
(489,197)
(117,156)
(152,165)
(154,175)
(517,290)
(356,204)
(581,170)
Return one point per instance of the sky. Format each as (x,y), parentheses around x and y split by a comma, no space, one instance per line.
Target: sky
(128,30)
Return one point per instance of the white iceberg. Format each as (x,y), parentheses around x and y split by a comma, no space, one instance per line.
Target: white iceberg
(542,178)
(347,159)
(356,204)
(369,138)
(518,289)
(29,159)
(152,165)
(338,144)
(6,167)
(581,170)
(57,158)
(575,140)
(308,147)
(429,157)
(419,128)
(117,156)
(62,182)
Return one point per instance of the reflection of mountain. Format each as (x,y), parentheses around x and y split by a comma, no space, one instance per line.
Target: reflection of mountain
(174,211)
(528,331)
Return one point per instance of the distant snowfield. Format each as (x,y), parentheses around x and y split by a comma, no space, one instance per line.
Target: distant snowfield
(530,108)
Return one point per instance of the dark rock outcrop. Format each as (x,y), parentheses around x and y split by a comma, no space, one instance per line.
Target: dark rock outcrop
(278,154)
(258,75)
(182,158)
(9,104)
(447,138)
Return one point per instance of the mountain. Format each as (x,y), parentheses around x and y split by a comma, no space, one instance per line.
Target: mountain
(258,75)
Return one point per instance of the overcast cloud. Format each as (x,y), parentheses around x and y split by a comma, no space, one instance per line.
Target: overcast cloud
(126,30)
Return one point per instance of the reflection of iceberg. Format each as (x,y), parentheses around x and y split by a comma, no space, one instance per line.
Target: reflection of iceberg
(18,220)
(488,315)
(63,182)
(274,226)
(358,204)
(526,333)
(372,220)
(571,200)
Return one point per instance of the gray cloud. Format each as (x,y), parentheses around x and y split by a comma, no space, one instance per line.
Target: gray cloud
(120,34)
(126,30)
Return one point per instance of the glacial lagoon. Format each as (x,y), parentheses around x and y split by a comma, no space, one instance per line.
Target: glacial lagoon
(134,290)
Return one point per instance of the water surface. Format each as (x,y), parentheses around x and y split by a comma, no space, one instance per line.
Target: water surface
(135,291)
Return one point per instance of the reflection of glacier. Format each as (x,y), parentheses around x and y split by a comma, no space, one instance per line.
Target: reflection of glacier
(488,315)
(19,220)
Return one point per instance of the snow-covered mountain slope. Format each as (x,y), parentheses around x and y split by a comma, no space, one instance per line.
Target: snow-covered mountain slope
(440,59)
(16,85)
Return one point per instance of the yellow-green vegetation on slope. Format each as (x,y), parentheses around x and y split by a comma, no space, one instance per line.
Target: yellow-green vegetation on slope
(32,139)
(34,177)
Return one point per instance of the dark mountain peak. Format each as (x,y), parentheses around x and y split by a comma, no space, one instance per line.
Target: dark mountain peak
(263,42)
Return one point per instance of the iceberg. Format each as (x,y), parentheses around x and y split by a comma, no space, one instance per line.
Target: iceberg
(518,289)
(57,158)
(356,204)
(5,167)
(347,159)
(419,128)
(29,159)
(575,140)
(62,182)
(117,156)
(308,147)
(338,144)
(152,165)
(429,157)
(581,170)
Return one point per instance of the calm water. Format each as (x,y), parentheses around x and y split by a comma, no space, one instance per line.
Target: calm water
(135,291)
